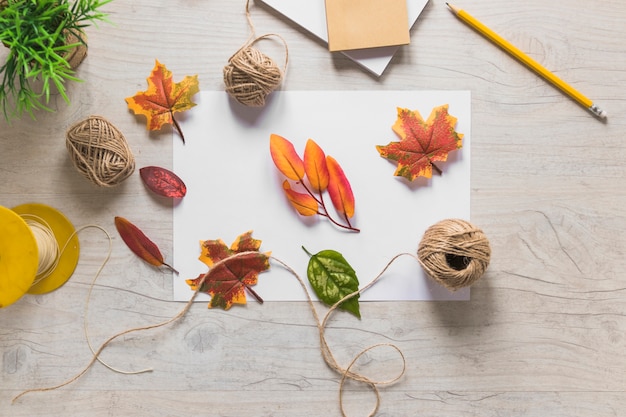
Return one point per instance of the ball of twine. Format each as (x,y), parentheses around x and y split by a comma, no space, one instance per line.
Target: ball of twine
(454,253)
(100,152)
(250,76)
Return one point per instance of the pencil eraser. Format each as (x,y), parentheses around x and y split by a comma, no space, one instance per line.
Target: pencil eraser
(598,112)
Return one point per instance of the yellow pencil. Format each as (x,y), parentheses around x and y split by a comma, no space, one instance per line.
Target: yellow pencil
(528,61)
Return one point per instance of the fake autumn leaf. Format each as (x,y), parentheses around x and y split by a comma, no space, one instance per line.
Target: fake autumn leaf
(303,203)
(339,189)
(315,174)
(163,182)
(332,278)
(163,98)
(232,271)
(286,158)
(139,243)
(315,166)
(422,142)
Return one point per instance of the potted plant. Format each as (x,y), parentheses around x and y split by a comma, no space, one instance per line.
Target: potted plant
(45,41)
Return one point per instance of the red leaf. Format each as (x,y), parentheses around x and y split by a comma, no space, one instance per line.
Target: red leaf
(233,270)
(163,182)
(422,142)
(139,243)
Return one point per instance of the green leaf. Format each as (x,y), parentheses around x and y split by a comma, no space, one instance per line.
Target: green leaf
(332,278)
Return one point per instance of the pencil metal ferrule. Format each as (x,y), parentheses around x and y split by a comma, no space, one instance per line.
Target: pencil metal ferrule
(597,111)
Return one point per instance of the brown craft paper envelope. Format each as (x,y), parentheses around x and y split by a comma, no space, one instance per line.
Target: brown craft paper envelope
(358,24)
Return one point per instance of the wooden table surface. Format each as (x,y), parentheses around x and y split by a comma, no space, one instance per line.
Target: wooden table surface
(544,332)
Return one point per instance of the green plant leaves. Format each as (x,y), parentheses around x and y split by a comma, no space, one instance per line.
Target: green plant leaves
(332,278)
(38,35)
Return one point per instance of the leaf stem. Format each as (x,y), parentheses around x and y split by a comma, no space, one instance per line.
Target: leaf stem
(325,213)
(345,216)
(253,293)
(336,223)
(177,126)
(171,268)
(439,171)
(319,200)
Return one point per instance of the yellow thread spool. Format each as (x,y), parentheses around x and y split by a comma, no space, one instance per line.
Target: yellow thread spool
(19,253)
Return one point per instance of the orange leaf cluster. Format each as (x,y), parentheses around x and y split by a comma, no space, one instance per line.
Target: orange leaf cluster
(322,173)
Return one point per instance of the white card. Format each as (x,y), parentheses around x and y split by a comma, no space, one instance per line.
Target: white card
(233,187)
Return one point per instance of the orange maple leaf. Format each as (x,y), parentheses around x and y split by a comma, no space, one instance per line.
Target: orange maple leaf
(422,142)
(163,98)
(233,270)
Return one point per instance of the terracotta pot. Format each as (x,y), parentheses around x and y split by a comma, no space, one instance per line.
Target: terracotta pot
(77,54)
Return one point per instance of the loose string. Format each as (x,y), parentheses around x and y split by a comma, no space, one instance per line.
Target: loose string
(329,358)
(96,354)
(252,40)
(49,257)
(87,302)
(331,361)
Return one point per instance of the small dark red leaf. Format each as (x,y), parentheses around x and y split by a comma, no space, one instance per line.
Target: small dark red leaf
(163,182)
(139,243)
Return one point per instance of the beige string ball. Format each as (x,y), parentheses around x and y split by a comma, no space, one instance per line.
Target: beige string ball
(454,253)
(99,151)
(250,76)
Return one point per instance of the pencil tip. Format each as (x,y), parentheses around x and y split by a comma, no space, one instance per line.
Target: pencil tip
(452,8)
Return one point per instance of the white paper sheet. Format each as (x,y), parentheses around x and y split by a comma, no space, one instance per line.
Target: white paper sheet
(311,15)
(233,186)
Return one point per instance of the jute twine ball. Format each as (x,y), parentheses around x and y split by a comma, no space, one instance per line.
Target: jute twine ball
(454,253)
(250,76)
(100,152)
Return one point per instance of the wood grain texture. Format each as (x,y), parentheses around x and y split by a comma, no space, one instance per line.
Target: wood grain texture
(544,332)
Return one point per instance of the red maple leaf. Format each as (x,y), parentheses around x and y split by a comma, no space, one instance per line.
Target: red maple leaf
(422,142)
(232,270)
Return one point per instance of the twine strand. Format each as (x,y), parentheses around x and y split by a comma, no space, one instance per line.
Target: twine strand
(250,23)
(450,237)
(87,302)
(96,355)
(327,354)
